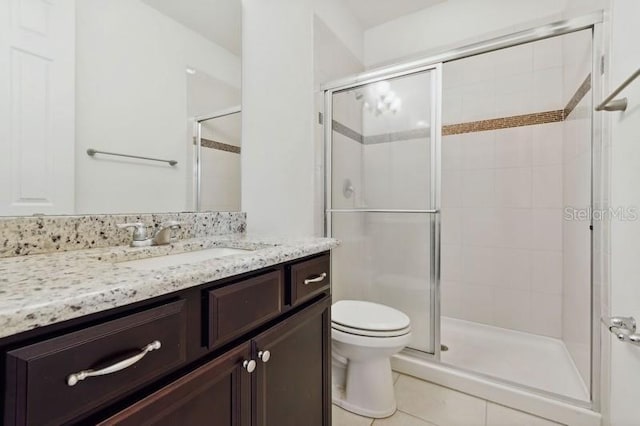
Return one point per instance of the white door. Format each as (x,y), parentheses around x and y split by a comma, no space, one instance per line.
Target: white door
(37,81)
(625,193)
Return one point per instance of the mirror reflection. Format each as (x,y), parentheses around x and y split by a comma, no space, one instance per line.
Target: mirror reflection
(134,78)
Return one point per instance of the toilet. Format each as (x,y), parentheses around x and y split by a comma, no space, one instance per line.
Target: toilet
(365,336)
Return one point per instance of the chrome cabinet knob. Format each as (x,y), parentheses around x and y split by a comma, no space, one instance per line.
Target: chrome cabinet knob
(249,365)
(265,356)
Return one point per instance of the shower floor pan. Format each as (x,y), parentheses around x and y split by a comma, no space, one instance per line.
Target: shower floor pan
(528,359)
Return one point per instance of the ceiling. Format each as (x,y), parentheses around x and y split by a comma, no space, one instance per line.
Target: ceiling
(371,13)
(220,21)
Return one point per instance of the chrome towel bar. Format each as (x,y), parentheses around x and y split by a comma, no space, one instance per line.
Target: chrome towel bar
(91,152)
(610,104)
(381,211)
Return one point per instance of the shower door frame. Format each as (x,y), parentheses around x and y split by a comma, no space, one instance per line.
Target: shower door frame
(595,23)
(434,196)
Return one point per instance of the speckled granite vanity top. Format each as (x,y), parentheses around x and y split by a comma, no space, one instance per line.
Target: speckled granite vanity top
(43,289)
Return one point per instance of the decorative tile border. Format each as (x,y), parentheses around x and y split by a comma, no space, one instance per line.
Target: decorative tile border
(521,120)
(397,136)
(474,126)
(504,122)
(21,236)
(381,138)
(346,131)
(220,146)
(577,97)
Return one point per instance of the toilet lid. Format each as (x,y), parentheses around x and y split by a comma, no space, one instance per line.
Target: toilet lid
(360,315)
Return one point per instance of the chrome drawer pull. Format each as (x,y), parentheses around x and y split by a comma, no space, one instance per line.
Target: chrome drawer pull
(118,366)
(315,280)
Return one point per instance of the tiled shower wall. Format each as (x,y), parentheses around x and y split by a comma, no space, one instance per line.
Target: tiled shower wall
(503,191)
(502,228)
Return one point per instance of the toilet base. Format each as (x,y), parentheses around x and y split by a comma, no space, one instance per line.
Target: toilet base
(369,389)
(340,402)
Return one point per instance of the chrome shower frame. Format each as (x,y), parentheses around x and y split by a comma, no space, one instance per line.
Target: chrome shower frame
(593,22)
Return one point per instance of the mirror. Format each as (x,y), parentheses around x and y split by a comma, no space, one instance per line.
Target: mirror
(102,103)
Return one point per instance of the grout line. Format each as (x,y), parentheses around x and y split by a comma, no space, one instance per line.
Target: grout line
(419,418)
(486,412)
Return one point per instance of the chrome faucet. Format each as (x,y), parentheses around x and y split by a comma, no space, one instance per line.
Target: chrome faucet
(141,238)
(163,235)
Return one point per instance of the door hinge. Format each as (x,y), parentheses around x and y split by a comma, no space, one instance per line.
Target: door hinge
(320,118)
(602,64)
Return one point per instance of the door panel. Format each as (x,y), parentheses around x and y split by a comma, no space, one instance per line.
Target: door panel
(384,201)
(218,393)
(37,84)
(293,386)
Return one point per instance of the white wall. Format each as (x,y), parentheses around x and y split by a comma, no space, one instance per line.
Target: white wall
(132,98)
(341,21)
(279,152)
(454,22)
(278,105)
(625,235)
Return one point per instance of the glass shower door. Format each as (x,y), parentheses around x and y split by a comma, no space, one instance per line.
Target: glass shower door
(383,196)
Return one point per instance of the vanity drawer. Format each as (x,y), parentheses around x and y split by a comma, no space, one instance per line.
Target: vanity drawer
(41,389)
(310,278)
(237,308)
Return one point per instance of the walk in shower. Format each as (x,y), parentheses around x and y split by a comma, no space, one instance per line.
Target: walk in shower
(457,187)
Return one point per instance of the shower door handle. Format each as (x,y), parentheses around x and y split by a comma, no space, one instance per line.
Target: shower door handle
(624,328)
(621,323)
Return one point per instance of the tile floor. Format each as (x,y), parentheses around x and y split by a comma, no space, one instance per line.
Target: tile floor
(422,403)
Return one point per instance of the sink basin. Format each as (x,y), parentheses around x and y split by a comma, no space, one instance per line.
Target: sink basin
(183,258)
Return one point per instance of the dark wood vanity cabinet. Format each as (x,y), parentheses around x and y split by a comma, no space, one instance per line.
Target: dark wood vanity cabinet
(245,386)
(239,352)
(218,393)
(292,386)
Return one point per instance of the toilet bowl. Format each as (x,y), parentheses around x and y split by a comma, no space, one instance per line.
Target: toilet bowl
(365,336)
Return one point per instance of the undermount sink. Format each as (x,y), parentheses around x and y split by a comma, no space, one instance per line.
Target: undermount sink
(183,258)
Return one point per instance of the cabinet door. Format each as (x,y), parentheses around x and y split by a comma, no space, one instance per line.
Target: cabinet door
(293,377)
(218,393)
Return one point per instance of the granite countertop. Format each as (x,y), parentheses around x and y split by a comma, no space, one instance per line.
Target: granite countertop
(44,289)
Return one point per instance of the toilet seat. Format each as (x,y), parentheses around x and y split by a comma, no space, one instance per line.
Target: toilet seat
(370,333)
(368,319)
